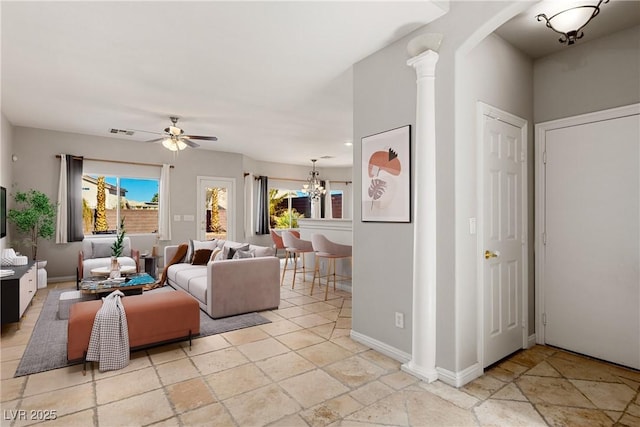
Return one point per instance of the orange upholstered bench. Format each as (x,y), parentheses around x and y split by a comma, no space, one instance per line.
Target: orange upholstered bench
(152,319)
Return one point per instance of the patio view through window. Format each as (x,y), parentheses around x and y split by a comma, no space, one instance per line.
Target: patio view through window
(287,206)
(108,199)
(216,206)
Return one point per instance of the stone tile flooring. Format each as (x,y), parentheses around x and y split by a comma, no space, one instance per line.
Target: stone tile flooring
(304,370)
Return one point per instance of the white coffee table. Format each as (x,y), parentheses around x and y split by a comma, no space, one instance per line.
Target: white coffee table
(105,271)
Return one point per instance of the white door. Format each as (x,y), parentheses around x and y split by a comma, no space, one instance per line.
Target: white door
(503,234)
(216,208)
(591,256)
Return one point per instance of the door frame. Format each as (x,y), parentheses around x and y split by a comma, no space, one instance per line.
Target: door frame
(482,110)
(541,130)
(231,203)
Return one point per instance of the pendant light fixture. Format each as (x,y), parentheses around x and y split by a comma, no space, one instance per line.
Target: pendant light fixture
(570,22)
(312,187)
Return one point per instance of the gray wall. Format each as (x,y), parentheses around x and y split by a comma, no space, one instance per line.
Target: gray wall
(497,74)
(606,75)
(384,98)
(38,168)
(592,76)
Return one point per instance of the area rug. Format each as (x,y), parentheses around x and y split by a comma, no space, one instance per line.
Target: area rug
(47,348)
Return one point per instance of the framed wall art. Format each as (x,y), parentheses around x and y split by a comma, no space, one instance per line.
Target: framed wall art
(386,176)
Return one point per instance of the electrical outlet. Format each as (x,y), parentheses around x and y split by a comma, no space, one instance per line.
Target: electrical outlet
(399,320)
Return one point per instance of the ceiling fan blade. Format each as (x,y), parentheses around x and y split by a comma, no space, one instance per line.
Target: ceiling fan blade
(205,138)
(156,140)
(189,142)
(147,131)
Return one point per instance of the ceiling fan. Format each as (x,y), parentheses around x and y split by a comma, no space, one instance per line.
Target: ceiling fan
(174,138)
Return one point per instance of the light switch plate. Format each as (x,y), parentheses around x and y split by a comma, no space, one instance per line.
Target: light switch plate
(176,218)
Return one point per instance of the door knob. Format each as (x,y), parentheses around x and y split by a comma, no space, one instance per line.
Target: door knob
(489,254)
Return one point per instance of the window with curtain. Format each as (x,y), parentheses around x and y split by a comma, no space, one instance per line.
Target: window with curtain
(112,192)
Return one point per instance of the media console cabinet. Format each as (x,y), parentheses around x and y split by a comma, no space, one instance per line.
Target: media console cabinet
(17,291)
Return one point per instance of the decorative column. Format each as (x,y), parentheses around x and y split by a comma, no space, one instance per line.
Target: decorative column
(423,352)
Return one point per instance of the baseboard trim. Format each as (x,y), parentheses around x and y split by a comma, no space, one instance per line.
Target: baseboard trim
(61,279)
(458,379)
(381,347)
(531,341)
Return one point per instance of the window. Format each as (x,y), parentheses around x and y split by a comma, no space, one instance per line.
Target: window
(108,198)
(336,203)
(287,206)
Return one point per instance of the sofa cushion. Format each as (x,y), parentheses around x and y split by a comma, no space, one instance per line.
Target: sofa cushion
(90,264)
(198,288)
(260,251)
(176,273)
(231,250)
(201,256)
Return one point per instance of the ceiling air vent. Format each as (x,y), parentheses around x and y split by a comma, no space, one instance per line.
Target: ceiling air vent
(327,157)
(122,131)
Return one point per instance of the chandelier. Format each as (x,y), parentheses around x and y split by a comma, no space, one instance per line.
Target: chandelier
(569,23)
(312,188)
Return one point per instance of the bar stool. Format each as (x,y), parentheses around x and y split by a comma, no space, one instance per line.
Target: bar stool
(277,238)
(331,251)
(294,248)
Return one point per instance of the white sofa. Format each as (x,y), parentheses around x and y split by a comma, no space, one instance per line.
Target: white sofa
(96,252)
(228,287)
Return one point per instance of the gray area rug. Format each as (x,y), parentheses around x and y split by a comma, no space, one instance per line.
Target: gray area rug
(47,348)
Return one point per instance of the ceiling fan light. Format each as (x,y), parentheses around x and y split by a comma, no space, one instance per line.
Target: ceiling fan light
(180,145)
(169,144)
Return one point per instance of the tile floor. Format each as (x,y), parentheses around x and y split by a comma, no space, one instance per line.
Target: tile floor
(304,370)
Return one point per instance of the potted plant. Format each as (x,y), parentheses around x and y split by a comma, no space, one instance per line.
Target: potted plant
(35,215)
(116,251)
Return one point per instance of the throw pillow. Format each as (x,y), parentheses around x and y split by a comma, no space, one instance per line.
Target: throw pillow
(194,245)
(101,249)
(214,254)
(201,256)
(244,254)
(219,256)
(232,251)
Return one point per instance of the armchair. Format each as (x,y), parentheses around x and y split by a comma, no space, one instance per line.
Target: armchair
(96,252)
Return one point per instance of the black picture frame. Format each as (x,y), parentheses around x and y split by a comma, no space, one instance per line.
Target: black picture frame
(3,212)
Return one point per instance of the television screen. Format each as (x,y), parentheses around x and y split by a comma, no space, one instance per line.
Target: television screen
(3,211)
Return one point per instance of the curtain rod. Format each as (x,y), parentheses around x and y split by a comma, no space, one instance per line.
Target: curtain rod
(117,161)
(301,180)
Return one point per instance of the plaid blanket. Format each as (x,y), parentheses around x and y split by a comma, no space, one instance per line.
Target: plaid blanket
(109,341)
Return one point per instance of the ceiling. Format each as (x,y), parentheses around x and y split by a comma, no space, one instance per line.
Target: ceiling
(271,80)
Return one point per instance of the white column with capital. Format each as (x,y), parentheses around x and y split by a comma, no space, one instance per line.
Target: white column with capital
(423,352)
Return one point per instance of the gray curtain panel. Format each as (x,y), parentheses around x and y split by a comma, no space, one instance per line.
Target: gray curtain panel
(263,206)
(75,233)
